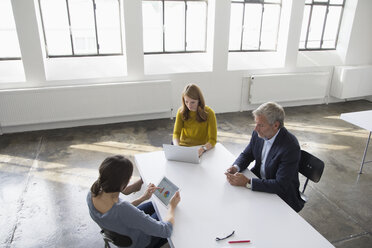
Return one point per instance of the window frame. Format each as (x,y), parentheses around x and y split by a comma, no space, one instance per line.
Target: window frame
(327,4)
(185,28)
(12,58)
(262,2)
(95,31)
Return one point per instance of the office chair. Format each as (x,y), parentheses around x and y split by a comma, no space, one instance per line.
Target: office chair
(312,168)
(115,238)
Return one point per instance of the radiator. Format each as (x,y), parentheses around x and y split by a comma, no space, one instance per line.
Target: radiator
(83,102)
(287,87)
(352,81)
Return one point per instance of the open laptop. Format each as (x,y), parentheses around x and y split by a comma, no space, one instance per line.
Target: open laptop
(182,153)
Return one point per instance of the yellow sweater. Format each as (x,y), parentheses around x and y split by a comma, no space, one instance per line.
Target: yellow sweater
(194,133)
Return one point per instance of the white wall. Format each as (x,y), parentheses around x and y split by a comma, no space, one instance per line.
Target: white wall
(360,46)
(218,73)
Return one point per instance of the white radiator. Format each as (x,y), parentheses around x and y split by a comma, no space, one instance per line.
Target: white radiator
(287,87)
(352,81)
(83,102)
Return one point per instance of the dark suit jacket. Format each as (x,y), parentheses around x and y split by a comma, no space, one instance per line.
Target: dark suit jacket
(281,167)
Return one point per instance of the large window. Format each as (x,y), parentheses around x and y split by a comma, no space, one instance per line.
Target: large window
(81,27)
(321,23)
(174,26)
(254,25)
(9,46)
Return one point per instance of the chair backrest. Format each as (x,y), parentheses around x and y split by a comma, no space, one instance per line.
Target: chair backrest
(115,238)
(311,167)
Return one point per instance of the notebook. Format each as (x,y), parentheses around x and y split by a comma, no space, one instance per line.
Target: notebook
(182,153)
(166,191)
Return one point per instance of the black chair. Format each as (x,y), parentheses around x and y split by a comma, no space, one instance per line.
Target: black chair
(115,238)
(312,168)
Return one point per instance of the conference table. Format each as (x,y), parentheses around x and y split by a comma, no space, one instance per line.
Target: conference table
(210,207)
(361,119)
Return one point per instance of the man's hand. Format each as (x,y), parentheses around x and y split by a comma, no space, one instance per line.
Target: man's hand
(232,170)
(237,179)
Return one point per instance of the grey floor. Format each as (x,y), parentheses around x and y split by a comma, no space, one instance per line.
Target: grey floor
(45,175)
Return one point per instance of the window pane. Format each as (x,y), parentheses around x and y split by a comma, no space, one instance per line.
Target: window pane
(272,1)
(82,26)
(9,45)
(56,27)
(108,26)
(336,1)
(305,21)
(236,18)
(152,26)
(330,33)
(316,26)
(252,22)
(196,26)
(270,25)
(174,23)
(308,1)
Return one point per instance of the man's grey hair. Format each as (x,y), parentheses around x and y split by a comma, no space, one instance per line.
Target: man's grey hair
(272,111)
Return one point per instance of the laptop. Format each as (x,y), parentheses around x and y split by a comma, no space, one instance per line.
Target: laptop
(182,153)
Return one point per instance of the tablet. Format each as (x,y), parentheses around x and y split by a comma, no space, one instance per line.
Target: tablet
(166,191)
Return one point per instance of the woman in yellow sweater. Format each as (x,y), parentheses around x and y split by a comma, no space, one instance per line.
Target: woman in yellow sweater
(195,123)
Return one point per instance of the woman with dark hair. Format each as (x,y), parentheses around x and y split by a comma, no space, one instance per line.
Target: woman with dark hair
(110,212)
(195,122)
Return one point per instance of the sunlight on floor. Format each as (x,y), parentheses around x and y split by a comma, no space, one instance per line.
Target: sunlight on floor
(114,147)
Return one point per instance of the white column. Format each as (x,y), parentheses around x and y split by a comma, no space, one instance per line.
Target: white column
(221,35)
(29,39)
(294,33)
(134,38)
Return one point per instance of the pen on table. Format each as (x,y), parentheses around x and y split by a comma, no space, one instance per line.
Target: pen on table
(239,241)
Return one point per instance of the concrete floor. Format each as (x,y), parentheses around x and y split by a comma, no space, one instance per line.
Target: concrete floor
(45,175)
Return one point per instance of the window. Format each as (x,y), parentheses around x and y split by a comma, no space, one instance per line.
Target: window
(321,24)
(81,27)
(254,25)
(9,46)
(174,26)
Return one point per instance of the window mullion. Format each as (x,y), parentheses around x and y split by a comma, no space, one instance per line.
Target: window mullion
(308,25)
(206,25)
(324,25)
(163,26)
(95,24)
(339,22)
(185,38)
(259,37)
(42,25)
(242,32)
(69,25)
(121,28)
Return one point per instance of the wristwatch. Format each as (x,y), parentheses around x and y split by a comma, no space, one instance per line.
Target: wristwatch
(248,186)
(204,148)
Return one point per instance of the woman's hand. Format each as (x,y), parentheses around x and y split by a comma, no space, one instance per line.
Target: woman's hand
(201,151)
(149,191)
(175,200)
(204,148)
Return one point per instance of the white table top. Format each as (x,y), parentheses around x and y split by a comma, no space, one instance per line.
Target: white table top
(210,207)
(361,119)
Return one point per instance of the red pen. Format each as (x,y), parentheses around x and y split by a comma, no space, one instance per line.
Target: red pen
(239,241)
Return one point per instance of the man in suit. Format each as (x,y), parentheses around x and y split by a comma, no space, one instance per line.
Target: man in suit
(276,153)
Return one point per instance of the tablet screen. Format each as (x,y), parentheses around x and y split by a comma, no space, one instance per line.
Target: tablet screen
(166,190)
